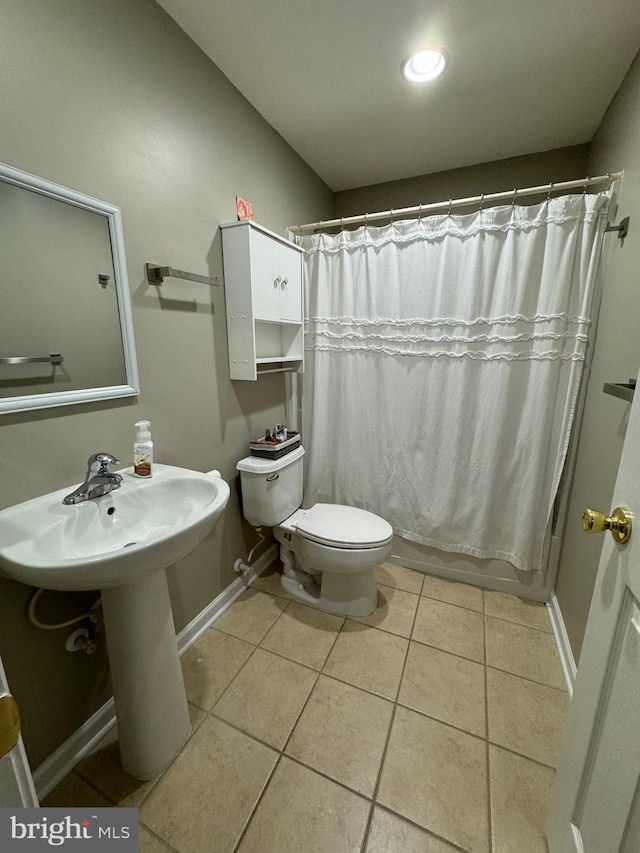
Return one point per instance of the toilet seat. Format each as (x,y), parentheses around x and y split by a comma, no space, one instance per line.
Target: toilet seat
(339,526)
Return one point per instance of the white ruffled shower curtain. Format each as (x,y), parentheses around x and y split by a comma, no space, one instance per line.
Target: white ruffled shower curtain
(443,360)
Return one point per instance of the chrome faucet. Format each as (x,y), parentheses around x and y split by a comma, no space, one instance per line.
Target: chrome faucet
(98,481)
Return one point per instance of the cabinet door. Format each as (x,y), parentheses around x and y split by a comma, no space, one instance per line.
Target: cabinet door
(290,266)
(265,277)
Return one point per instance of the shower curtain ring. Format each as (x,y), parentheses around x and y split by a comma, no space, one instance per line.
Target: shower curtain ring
(449,207)
(586,184)
(550,190)
(420,213)
(481,201)
(515,195)
(607,186)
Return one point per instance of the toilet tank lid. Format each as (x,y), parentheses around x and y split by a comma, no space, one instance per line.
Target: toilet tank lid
(345,526)
(257,465)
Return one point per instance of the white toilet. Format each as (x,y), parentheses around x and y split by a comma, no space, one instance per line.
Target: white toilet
(328,552)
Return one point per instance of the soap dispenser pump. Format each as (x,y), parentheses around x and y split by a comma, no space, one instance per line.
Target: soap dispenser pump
(143,450)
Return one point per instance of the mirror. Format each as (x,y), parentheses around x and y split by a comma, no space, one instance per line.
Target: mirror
(66,333)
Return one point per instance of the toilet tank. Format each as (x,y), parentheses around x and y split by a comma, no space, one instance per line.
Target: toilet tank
(271,488)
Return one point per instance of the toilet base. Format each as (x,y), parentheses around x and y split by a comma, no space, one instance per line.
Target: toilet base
(346,595)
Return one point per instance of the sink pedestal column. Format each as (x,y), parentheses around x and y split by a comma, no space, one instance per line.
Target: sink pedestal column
(148,688)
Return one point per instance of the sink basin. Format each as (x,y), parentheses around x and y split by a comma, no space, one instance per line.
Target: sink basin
(121,543)
(104,542)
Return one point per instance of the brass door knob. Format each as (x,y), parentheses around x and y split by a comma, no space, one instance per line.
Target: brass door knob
(619,523)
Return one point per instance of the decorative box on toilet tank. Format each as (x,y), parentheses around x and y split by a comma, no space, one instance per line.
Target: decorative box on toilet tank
(263,293)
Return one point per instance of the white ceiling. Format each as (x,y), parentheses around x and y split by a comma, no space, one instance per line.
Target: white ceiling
(523,76)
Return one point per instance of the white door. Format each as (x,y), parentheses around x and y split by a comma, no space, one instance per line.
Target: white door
(595,806)
(16,784)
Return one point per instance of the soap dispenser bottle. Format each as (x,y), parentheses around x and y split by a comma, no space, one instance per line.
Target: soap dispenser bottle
(143,451)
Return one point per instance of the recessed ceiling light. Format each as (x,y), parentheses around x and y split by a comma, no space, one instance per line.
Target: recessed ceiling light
(424,65)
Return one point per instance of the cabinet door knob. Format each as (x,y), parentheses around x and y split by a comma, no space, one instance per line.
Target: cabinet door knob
(276,281)
(619,523)
(284,283)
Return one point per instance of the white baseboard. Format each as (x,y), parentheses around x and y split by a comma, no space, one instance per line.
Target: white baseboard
(91,732)
(563,645)
(189,634)
(74,749)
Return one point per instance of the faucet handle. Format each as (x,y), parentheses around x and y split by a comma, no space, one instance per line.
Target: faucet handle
(98,463)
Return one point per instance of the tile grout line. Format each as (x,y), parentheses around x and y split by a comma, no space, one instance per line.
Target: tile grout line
(365,837)
(306,702)
(429,832)
(256,646)
(520,624)
(250,817)
(224,692)
(241,731)
(391,633)
(270,595)
(451,603)
(89,784)
(400,588)
(481,737)
(422,594)
(376,788)
(270,746)
(528,680)
(522,755)
(483,611)
(447,651)
(212,715)
(286,743)
(157,837)
(295,760)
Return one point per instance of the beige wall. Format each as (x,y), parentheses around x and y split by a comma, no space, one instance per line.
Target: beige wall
(615,146)
(110,98)
(530,170)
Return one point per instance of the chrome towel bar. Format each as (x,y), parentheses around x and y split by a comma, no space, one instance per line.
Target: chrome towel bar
(621,230)
(54,358)
(623,390)
(157,274)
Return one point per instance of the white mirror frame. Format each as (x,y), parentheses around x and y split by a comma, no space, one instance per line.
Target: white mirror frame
(85,395)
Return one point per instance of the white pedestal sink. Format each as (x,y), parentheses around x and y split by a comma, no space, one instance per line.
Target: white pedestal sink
(121,543)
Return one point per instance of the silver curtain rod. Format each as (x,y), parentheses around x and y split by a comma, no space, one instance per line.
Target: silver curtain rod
(458,202)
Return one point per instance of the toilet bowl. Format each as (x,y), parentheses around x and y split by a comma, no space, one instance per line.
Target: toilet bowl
(330,551)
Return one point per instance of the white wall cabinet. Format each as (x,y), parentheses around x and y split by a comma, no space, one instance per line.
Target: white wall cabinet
(263,293)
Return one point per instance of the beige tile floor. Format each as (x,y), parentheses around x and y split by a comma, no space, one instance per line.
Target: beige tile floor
(431,726)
